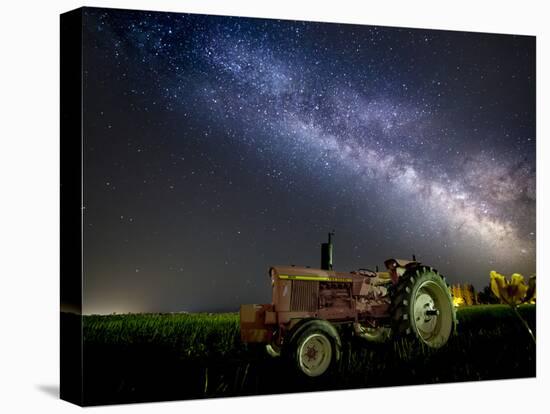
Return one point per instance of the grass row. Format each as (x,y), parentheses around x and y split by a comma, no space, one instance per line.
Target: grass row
(209,334)
(131,358)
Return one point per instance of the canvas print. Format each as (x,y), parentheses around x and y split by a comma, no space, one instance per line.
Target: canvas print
(259,206)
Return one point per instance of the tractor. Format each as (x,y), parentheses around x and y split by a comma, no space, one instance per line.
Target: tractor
(409,299)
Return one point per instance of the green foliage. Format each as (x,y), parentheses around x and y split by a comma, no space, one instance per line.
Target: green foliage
(487,297)
(194,334)
(130,358)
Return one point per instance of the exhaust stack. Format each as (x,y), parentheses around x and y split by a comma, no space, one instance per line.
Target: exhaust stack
(326,253)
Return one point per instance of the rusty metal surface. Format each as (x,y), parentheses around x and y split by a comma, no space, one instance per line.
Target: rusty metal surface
(397,267)
(337,313)
(304,292)
(287,317)
(270,318)
(373,295)
(335,295)
(329,294)
(304,296)
(281,295)
(360,296)
(297,270)
(252,321)
(283,272)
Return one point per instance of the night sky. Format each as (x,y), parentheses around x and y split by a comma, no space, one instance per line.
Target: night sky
(216,147)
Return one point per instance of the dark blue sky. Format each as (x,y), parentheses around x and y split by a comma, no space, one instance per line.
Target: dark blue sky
(216,147)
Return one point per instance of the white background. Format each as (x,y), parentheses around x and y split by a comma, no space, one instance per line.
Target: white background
(29,204)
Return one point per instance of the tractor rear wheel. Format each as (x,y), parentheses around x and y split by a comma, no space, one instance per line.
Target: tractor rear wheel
(314,347)
(422,306)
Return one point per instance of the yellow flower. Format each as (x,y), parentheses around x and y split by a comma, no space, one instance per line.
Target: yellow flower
(511,292)
(514,292)
(531,295)
(498,282)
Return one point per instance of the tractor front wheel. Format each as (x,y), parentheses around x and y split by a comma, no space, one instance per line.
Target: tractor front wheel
(315,347)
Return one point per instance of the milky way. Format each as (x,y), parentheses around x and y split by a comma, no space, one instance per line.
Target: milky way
(270,133)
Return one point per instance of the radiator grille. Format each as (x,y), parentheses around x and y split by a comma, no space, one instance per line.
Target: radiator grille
(304,295)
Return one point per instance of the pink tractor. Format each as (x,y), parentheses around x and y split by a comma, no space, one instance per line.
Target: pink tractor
(408,299)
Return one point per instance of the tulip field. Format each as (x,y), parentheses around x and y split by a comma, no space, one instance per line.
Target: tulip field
(151,357)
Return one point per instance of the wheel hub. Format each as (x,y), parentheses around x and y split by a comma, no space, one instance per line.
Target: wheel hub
(315,354)
(311,353)
(425,314)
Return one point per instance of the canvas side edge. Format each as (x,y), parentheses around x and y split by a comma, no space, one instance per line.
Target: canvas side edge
(71,207)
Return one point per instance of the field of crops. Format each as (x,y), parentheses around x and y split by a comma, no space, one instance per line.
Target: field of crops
(151,357)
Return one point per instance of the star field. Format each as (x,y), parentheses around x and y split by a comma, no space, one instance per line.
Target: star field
(218,146)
